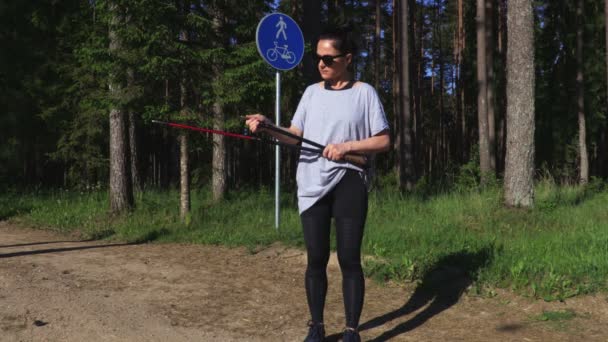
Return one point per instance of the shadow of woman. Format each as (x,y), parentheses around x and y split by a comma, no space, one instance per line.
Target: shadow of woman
(440,288)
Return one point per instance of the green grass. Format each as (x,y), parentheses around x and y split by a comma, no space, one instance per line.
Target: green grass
(557,250)
(557,320)
(556,316)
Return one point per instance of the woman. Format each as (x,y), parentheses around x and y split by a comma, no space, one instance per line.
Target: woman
(347,117)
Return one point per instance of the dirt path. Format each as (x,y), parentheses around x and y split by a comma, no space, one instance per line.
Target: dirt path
(56,289)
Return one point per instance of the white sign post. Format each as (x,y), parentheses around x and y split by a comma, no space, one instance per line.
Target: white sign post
(281,44)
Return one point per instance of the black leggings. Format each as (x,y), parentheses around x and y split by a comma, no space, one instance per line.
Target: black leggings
(347,204)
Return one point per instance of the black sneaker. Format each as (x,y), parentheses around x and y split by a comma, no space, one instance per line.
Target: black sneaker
(316,332)
(351,335)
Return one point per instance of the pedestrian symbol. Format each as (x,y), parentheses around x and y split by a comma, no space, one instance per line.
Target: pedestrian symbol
(281,25)
(280,41)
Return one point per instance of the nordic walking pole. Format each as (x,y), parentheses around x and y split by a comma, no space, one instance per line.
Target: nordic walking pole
(356,159)
(238,136)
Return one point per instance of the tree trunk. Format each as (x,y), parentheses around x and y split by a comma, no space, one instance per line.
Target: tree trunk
(460,135)
(396,87)
(184,179)
(464,129)
(184,171)
(311,29)
(482,109)
(501,103)
(406,148)
(218,164)
(121,195)
(377,47)
(134,154)
(490,84)
(417,136)
(519,163)
(442,145)
(580,99)
(121,192)
(219,155)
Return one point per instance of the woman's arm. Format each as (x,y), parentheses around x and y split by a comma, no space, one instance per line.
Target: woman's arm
(254,120)
(380,142)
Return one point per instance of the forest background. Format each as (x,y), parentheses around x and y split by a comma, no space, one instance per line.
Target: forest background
(497,111)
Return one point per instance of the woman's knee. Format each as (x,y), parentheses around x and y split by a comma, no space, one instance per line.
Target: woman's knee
(317,261)
(350,263)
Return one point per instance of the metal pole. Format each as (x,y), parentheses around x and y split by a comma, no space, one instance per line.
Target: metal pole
(277,164)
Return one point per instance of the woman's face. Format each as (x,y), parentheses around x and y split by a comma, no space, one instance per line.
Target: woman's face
(338,68)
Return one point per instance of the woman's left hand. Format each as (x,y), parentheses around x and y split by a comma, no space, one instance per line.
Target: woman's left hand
(336,151)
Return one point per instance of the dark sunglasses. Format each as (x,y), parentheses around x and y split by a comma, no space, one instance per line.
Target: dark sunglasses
(327,59)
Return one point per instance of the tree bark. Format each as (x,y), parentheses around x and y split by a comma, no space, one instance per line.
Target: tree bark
(184,179)
(501,103)
(377,46)
(121,196)
(406,148)
(218,164)
(580,101)
(219,155)
(184,171)
(443,147)
(490,84)
(134,154)
(519,163)
(482,108)
(133,150)
(396,87)
(311,29)
(458,48)
(464,129)
(121,192)
(415,88)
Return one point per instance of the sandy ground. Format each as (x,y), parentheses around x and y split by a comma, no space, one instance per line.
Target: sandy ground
(53,288)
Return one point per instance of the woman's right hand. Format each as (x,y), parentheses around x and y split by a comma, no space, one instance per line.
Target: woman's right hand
(253,122)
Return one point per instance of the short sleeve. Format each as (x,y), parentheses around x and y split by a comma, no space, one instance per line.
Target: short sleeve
(377,117)
(300,115)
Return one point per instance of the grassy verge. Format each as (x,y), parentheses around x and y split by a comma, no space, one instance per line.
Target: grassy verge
(557,250)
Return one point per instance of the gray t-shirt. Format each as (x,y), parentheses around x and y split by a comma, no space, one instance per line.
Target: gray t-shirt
(331,117)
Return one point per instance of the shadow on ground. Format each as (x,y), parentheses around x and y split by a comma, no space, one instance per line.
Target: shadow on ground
(61,250)
(98,235)
(441,287)
(40,243)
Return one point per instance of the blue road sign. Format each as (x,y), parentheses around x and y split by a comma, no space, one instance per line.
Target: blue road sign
(280,41)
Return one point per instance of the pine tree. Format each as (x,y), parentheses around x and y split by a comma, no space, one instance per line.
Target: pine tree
(121,193)
(482,103)
(519,164)
(406,146)
(580,98)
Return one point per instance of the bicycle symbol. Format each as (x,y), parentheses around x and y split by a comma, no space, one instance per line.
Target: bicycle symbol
(277,51)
